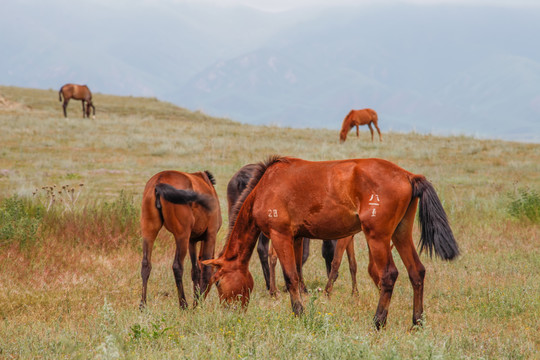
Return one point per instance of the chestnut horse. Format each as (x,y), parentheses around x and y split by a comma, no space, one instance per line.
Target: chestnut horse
(267,255)
(356,118)
(188,206)
(291,198)
(77,92)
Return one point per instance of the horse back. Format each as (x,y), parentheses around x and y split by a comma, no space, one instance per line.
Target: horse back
(331,199)
(77,92)
(200,182)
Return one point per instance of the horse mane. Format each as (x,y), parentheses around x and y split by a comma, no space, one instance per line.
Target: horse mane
(210,177)
(260,169)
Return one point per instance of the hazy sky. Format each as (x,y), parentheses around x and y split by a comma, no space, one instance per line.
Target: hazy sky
(276,5)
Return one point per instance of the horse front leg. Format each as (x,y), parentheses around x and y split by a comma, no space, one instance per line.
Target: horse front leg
(299,257)
(83,109)
(371,129)
(208,246)
(283,244)
(262,251)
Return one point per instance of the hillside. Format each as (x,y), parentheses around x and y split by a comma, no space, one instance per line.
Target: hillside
(71,288)
(441,69)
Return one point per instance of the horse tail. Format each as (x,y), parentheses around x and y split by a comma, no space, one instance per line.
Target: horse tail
(181,197)
(436,233)
(60,94)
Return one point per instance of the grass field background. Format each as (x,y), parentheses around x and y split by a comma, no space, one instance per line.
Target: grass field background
(70,269)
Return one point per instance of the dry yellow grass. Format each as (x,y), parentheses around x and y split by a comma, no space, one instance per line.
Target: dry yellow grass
(70,297)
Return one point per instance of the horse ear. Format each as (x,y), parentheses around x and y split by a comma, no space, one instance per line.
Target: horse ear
(217,263)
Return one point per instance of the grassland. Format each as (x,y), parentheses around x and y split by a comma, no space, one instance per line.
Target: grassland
(70,285)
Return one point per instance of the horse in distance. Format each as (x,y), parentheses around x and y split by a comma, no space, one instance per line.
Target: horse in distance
(374,196)
(77,92)
(187,205)
(357,118)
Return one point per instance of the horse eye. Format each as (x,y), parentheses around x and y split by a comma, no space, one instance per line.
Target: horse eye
(217,283)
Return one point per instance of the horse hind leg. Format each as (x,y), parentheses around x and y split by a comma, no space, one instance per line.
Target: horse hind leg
(149,234)
(195,272)
(403,241)
(64,106)
(182,241)
(352,265)
(378,130)
(386,272)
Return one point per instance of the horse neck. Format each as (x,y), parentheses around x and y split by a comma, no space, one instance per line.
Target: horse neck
(243,236)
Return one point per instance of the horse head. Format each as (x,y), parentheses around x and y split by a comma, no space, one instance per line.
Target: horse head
(90,106)
(234,284)
(343,134)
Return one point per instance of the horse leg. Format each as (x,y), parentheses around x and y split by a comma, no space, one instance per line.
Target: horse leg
(83,109)
(283,244)
(305,250)
(262,251)
(64,106)
(298,257)
(371,129)
(357,132)
(206,252)
(404,244)
(387,272)
(378,130)
(352,265)
(272,260)
(182,240)
(327,250)
(195,272)
(335,263)
(149,228)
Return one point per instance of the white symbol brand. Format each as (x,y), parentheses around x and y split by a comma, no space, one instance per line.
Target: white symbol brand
(373,212)
(374,200)
(272,213)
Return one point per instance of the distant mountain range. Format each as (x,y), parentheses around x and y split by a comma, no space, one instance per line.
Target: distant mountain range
(438,69)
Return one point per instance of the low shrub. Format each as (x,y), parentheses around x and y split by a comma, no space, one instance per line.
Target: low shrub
(20,219)
(525,205)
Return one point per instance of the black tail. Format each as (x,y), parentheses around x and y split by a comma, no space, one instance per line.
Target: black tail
(60,95)
(181,197)
(436,232)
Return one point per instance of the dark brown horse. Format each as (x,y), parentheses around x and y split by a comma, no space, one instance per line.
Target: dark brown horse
(77,92)
(188,206)
(291,198)
(357,118)
(268,257)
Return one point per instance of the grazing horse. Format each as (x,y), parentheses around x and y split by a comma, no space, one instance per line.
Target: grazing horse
(356,118)
(290,198)
(188,206)
(77,92)
(267,255)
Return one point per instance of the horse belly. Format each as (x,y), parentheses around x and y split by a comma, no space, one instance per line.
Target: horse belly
(329,227)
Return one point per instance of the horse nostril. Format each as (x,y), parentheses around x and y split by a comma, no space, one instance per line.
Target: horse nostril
(217,283)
